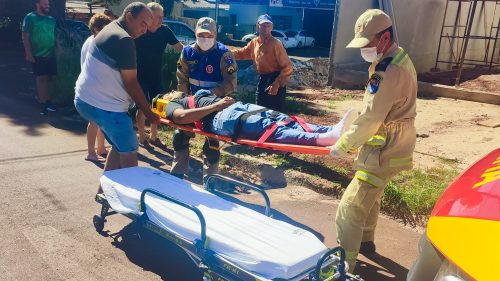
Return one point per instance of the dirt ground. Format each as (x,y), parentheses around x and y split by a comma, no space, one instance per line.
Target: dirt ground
(481,79)
(447,129)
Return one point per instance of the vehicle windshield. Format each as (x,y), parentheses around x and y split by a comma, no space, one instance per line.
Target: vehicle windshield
(291,33)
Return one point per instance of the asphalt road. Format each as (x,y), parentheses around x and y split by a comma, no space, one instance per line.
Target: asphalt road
(47,202)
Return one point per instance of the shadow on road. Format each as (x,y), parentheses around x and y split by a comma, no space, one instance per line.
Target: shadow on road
(155,254)
(18,103)
(384,269)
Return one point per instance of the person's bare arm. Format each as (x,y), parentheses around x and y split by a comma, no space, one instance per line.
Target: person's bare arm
(178,47)
(244,53)
(129,77)
(187,116)
(183,76)
(27,47)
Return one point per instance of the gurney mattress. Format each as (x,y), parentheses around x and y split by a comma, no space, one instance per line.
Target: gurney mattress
(253,241)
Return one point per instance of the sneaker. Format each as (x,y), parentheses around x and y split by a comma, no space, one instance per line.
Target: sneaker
(43,109)
(50,107)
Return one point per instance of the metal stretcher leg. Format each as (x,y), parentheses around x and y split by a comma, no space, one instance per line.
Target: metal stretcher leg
(100,220)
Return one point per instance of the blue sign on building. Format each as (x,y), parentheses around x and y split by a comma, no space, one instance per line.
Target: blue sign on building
(310,4)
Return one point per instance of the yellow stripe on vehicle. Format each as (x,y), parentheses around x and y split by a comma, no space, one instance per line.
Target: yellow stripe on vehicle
(370,178)
(400,162)
(470,244)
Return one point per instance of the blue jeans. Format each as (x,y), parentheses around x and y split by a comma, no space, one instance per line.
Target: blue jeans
(117,127)
(224,123)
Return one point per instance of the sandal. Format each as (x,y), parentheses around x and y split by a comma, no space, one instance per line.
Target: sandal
(95,158)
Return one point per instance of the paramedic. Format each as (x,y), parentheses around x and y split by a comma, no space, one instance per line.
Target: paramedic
(206,64)
(384,132)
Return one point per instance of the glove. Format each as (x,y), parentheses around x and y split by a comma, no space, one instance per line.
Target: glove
(336,151)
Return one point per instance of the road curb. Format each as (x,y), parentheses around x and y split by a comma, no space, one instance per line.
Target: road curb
(438,90)
(353,79)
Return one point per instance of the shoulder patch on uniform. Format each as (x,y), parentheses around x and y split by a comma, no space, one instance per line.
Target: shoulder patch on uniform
(231,70)
(374,83)
(228,59)
(382,66)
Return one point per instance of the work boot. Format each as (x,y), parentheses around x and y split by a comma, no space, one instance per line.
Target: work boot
(367,248)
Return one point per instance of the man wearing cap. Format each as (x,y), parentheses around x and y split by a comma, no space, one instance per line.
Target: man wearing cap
(271,61)
(203,65)
(384,132)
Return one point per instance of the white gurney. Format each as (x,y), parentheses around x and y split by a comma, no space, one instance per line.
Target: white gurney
(233,237)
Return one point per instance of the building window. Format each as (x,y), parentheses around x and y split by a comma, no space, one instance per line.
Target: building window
(282,22)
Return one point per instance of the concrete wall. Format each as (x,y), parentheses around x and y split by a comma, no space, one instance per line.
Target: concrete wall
(418,25)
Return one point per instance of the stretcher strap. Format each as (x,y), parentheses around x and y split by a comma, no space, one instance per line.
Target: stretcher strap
(270,131)
(302,123)
(242,119)
(192,105)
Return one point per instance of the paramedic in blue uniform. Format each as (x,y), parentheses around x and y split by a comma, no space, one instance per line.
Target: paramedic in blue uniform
(209,65)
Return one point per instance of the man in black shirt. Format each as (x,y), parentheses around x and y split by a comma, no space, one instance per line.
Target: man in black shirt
(150,48)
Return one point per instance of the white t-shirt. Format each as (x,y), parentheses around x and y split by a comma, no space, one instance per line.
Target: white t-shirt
(100,83)
(85,49)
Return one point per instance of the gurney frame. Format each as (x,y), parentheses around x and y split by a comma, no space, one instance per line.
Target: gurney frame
(331,266)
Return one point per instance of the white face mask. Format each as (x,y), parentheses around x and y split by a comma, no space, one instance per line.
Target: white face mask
(370,54)
(205,43)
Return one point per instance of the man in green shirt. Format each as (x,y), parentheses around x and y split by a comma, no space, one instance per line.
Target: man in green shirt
(39,44)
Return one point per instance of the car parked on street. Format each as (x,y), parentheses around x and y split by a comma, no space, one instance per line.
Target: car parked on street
(303,38)
(184,33)
(288,42)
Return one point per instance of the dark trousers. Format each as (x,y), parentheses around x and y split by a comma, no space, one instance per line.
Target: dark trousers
(276,102)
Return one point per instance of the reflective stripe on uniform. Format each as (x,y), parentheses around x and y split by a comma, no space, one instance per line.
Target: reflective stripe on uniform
(376,140)
(343,144)
(401,57)
(207,84)
(350,256)
(399,162)
(370,178)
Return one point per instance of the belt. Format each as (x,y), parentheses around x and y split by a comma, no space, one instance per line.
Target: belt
(207,84)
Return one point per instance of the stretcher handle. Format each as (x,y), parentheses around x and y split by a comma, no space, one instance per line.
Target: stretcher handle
(183,204)
(260,190)
(340,266)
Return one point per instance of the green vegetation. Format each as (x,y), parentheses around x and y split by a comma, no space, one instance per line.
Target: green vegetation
(411,195)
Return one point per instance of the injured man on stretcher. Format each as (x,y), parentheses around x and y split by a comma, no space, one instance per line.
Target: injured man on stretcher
(224,116)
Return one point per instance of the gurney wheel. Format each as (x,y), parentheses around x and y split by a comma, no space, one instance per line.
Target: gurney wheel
(98,223)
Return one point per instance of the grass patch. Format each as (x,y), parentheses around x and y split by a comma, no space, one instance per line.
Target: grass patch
(411,195)
(246,97)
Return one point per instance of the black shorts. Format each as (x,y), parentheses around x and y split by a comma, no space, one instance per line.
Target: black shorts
(45,66)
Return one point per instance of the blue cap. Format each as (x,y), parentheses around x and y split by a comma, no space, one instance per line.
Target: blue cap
(264,18)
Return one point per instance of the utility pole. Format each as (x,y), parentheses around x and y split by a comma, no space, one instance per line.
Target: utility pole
(331,68)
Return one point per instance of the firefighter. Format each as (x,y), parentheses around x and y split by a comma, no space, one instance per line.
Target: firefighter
(209,65)
(384,132)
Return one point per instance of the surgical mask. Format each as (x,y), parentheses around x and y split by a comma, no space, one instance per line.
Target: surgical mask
(370,54)
(205,43)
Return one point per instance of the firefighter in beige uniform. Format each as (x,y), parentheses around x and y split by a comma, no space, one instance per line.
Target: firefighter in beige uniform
(384,133)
